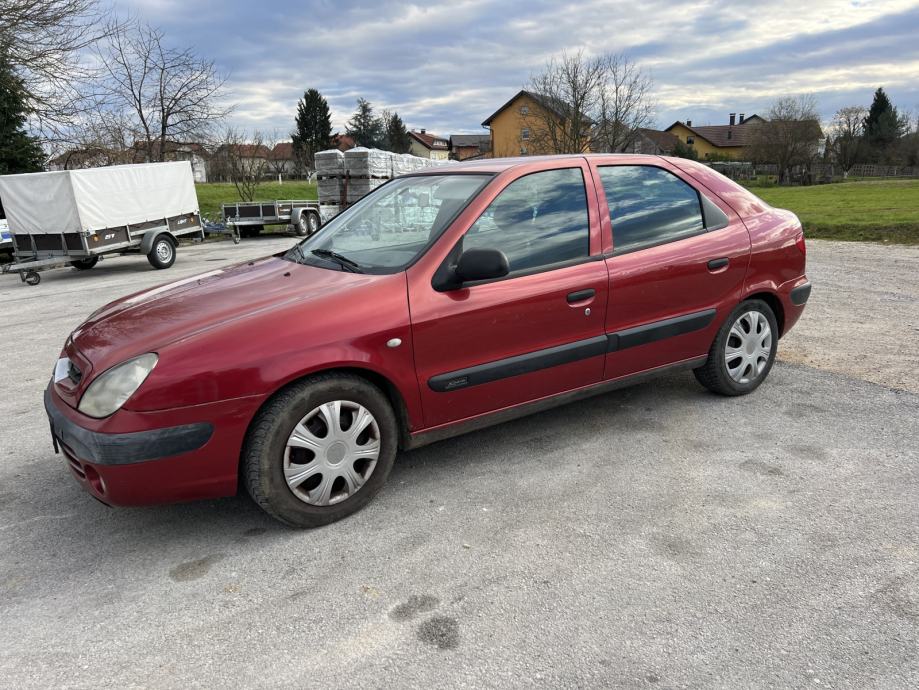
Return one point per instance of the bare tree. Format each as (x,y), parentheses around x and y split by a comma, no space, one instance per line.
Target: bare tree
(626,105)
(567,95)
(588,102)
(243,162)
(45,41)
(170,94)
(848,136)
(277,164)
(790,137)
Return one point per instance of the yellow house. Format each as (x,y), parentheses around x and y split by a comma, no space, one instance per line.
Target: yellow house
(516,126)
(426,145)
(718,141)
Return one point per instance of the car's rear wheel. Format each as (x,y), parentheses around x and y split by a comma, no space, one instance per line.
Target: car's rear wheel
(320,450)
(743,352)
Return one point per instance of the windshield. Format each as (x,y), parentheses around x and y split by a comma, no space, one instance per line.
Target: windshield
(388,229)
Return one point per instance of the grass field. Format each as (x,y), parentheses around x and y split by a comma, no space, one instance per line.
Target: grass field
(876,211)
(211,196)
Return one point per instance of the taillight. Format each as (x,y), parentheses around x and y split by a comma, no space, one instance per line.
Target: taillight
(799,243)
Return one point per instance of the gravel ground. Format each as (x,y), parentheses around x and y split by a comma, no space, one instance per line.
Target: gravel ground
(862,318)
(658,536)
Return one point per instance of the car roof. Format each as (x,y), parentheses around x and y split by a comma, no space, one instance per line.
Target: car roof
(497,165)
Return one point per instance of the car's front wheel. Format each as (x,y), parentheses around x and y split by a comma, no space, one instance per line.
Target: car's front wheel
(320,450)
(743,352)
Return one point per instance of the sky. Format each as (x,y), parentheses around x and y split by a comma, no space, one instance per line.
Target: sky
(446,66)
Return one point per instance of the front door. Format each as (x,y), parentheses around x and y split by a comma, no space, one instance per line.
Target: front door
(534,333)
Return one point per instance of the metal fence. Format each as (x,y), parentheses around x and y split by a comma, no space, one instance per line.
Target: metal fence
(812,174)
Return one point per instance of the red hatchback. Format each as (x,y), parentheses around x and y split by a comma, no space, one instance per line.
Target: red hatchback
(442,302)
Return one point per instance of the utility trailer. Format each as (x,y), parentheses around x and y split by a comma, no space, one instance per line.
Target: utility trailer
(75,217)
(248,218)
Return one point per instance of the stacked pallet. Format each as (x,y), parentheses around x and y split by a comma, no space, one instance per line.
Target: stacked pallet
(359,171)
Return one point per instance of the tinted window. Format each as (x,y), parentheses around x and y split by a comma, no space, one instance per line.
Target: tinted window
(648,206)
(538,220)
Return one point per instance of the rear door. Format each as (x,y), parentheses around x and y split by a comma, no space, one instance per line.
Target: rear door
(534,333)
(676,266)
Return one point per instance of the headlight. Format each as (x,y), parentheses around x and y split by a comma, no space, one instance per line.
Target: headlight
(110,391)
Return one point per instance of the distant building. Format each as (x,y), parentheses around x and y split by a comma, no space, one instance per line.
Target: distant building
(653,142)
(512,125)
(430,146)
(718,141)
(342,142)
(464,146)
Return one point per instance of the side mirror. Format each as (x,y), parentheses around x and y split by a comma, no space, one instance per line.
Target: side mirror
(481,264)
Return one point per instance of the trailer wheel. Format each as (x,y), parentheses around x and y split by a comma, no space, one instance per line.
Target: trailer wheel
(85,264)
(307,224)
(32,277)
(162,253)
(251,230)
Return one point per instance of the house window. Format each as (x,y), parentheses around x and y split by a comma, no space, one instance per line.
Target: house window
(690,140)
(524,110)
(525,134)
(523,150)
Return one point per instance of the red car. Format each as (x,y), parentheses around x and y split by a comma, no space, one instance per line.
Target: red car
(442,302)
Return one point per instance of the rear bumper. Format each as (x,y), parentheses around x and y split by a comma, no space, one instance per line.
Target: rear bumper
(145,458)
(794,295)
(799,295)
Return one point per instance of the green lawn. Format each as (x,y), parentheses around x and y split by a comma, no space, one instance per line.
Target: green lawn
(877,211)
(211,196)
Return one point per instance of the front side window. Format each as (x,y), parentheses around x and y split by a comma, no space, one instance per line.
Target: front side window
(539,220)
(649,206)
(386,230)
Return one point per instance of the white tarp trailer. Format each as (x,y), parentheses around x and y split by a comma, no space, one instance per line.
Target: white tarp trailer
(76,216)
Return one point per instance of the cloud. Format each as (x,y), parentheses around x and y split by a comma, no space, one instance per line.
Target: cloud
(446,66)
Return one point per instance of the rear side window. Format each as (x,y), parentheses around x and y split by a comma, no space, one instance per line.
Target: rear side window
(539,220)
(649,206)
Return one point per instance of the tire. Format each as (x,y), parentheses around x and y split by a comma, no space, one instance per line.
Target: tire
(85,264)
(748,365)
(163,252)
(328,493)
(32,278)
(307,224)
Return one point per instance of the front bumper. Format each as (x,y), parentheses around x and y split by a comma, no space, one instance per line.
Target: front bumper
(124,449)
(145,458)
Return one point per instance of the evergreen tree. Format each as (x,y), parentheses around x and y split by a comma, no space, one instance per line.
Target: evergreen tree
(364,127)
(19,152)
(397,139)
(313,127)
(883,125)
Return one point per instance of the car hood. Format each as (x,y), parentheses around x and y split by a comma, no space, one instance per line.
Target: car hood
(152,319)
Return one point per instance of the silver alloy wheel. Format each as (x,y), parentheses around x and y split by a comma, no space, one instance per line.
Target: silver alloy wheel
(164,251)
(331,452)
(748,347)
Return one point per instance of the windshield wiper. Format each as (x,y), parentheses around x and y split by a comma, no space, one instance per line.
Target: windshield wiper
(296,248)
(345,262)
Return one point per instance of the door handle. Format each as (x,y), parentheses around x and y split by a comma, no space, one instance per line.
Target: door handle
(581,295)
(715,264)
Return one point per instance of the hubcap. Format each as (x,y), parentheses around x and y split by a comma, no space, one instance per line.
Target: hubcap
(749,346)
(164,251)
(331,453)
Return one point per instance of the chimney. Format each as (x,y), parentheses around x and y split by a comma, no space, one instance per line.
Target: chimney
(689,123)
(733,117)
(741,119)
(423,130)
